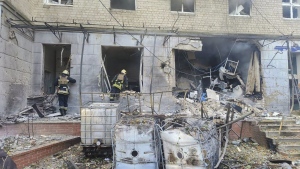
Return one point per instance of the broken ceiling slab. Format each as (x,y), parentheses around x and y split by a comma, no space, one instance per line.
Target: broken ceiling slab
(190,45)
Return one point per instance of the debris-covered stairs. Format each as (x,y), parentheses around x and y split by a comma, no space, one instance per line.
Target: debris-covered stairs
(286,140)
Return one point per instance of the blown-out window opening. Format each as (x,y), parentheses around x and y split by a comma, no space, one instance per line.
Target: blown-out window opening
(59,2)
(183,5)
(122,4)
(239,7)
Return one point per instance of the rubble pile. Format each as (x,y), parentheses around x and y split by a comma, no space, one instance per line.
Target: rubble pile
(248,154)
(73,157)
(218,109)
(19,143)
(32,116)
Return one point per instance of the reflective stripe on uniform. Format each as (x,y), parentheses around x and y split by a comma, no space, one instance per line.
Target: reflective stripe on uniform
(63,108)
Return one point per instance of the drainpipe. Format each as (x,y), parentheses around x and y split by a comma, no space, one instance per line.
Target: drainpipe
(80,79)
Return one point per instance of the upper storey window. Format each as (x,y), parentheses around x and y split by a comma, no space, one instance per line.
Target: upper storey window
(239,7)
(122,4)
(59,2)
(291,8)
(183,5)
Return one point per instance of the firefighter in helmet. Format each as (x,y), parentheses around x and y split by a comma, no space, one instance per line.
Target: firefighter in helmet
(63,90)
(119,83)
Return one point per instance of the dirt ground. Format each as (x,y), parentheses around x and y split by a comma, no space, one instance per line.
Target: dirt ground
(243,156)
(73,156)
(253,156)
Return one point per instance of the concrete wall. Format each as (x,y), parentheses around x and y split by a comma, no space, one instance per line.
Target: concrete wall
(15,67)
(275,76)
(210,17)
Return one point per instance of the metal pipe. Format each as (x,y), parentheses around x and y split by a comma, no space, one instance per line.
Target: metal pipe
(81,60)
(236,120)
(61,55)
(152,65)
(140,103)
(160,102)
(292,74)
(141,31)
(152,75)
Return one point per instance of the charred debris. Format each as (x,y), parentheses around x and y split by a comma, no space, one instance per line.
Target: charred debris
(215,88)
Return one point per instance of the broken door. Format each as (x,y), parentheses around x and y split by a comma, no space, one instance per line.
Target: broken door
(129,58)
(56,59)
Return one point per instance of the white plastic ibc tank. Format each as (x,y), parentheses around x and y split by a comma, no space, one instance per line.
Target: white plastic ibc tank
(135,145)
(97,120)
(181,150)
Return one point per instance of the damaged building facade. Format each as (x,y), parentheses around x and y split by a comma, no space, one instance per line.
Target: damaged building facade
(163,45)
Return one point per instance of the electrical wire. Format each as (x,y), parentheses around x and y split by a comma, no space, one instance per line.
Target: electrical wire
(175,20)
(266,19)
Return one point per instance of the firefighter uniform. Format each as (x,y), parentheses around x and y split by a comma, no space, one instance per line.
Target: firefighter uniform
(63,91)
(119,83)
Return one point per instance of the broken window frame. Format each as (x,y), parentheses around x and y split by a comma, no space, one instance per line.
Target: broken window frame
(236,8)
(183,7)
(59,2)
(291,5)
(123,8)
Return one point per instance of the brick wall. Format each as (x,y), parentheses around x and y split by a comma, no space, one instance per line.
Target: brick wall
(26,158)
(42,128)
(249,129)
(24,7)
(210,17)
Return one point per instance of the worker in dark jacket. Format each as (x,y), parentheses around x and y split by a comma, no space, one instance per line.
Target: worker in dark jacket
(6,162)
(119,83)
(63,90)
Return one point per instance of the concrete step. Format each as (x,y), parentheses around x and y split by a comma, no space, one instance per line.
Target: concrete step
(286,140)
(289,147)
(273,127)
(277,122)
(275,133)
(290,153)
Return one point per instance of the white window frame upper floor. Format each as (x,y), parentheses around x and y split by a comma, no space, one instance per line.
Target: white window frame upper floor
(239,7)
(122,4)
(59,2)
(183,7)
(291,9)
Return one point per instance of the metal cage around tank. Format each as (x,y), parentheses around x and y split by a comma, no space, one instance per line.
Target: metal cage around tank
(97,120)
(136,143)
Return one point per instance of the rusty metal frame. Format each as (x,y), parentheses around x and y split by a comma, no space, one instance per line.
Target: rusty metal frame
(55,31)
